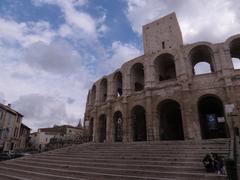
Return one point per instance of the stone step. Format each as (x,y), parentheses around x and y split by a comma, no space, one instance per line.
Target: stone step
(142,152)
(115,172)
(155,147)
(20,174)
(163,167)
(139,158)
(121,161)
(113,162)
(5,176)
(131,155)
(165,160)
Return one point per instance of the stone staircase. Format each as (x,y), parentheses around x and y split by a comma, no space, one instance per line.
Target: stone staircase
(165,160)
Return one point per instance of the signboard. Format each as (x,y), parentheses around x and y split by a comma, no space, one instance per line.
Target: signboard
(229,108)
(212,121)
(221,119)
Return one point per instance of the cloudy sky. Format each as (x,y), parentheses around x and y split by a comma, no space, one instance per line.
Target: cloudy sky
(51,51)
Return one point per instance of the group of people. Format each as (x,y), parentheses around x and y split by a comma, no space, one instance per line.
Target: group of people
(214,163)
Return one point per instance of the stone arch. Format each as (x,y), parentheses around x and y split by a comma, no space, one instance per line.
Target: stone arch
(103,90)
(139,126)
(102,131)
(93,94)
(212,117)
(170,120)
(118,84)
(235,52)
(202,61)
(118,126)
(137,77)
(165,67)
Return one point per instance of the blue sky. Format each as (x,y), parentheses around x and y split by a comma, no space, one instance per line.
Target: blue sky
(53,50)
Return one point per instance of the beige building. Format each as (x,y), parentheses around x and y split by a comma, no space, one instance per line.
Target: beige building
(24,136)
(10,125)
(40,139)
(174,91)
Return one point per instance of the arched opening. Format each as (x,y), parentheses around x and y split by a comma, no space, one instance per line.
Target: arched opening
(118,84)
(202,60)
(91,129)
(103,90)
(202,68)
(212,118)
(165,67)
(102,128)
(169,113)
(137,77)
(139,124)
(118,126)
(235,53)
(93,94)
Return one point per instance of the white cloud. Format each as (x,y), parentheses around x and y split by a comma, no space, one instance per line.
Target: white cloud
(25,33)
(58,57)
(45,111)
(77,19)
(120,53)
(212,20)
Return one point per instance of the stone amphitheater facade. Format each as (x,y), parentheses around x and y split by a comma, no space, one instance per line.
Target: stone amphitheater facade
(160,96)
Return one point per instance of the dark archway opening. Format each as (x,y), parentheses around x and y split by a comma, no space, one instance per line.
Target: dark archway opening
(202,60)
(103,90)
(118,84)
(137,77)
(118,126)
(235,53)
(212,118)
(91,129)
(93,94)
(102,128)
(170,120)
(139,124)
(165,67)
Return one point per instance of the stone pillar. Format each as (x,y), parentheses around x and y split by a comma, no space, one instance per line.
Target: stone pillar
(148,74)
(110,89)
(109,123)
(126,122)
(149,116)
(95,127)
(156,125)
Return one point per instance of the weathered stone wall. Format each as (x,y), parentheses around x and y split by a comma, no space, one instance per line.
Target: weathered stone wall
(186,89)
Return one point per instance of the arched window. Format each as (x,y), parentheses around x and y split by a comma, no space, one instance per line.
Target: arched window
(235,53)
(137,77)
(139,123)
(202,60)
(117,80)
(165,67)
(212,117)
(103,90)
(170,120)
(118,126)
(93,94)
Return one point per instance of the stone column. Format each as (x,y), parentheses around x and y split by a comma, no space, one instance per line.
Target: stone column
(149,117)
(109,123)
(95,127)
(126,122)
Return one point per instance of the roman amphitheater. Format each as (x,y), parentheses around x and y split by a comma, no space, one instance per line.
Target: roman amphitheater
(154,118)
(174,91)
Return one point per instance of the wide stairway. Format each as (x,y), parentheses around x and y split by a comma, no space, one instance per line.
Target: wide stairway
(166,160)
